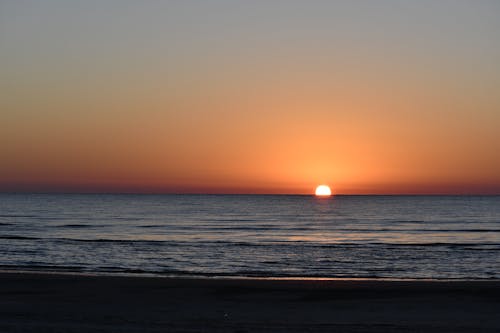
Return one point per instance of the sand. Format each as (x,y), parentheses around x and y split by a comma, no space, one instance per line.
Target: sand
(31,302)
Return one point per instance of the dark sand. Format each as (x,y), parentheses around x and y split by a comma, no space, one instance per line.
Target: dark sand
(77,303)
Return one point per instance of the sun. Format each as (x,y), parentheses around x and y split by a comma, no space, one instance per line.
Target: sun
(323,191)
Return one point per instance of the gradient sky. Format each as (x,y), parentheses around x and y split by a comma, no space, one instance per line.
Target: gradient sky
(250,96)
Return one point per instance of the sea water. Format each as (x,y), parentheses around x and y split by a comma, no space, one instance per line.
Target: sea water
(395,237)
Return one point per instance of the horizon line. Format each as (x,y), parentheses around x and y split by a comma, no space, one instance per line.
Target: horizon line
(244,194)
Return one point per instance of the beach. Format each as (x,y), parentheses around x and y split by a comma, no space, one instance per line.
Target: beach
(49,302)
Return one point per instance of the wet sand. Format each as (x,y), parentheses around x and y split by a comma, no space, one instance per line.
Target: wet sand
(31,302)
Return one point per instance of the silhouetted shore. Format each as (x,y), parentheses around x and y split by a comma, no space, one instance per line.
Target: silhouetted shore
(32,302)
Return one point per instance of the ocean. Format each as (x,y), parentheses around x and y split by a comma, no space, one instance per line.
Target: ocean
(272,236)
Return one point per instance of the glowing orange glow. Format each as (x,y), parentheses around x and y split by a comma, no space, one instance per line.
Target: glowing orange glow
(323,191)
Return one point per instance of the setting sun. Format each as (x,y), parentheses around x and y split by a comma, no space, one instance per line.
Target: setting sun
(323,191)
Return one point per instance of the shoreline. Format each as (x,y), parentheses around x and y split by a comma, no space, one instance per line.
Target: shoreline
(53,302)
(236,277)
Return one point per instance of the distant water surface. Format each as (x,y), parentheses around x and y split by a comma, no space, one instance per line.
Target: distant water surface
(437,237)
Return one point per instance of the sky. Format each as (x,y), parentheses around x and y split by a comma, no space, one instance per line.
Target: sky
(369,97)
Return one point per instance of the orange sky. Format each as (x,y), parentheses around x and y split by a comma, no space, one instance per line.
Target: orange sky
(263,99)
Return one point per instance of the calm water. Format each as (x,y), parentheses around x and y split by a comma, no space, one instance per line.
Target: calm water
(448,237)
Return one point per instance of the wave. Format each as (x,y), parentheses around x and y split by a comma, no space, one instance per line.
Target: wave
(292,228)
(127,218)
(19,215)
(413,230)
(301,244)
(225,229)
(242,273)
(233,220)
(78,226)
(44,267)
(18,237)
(259,228)
(108,269)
